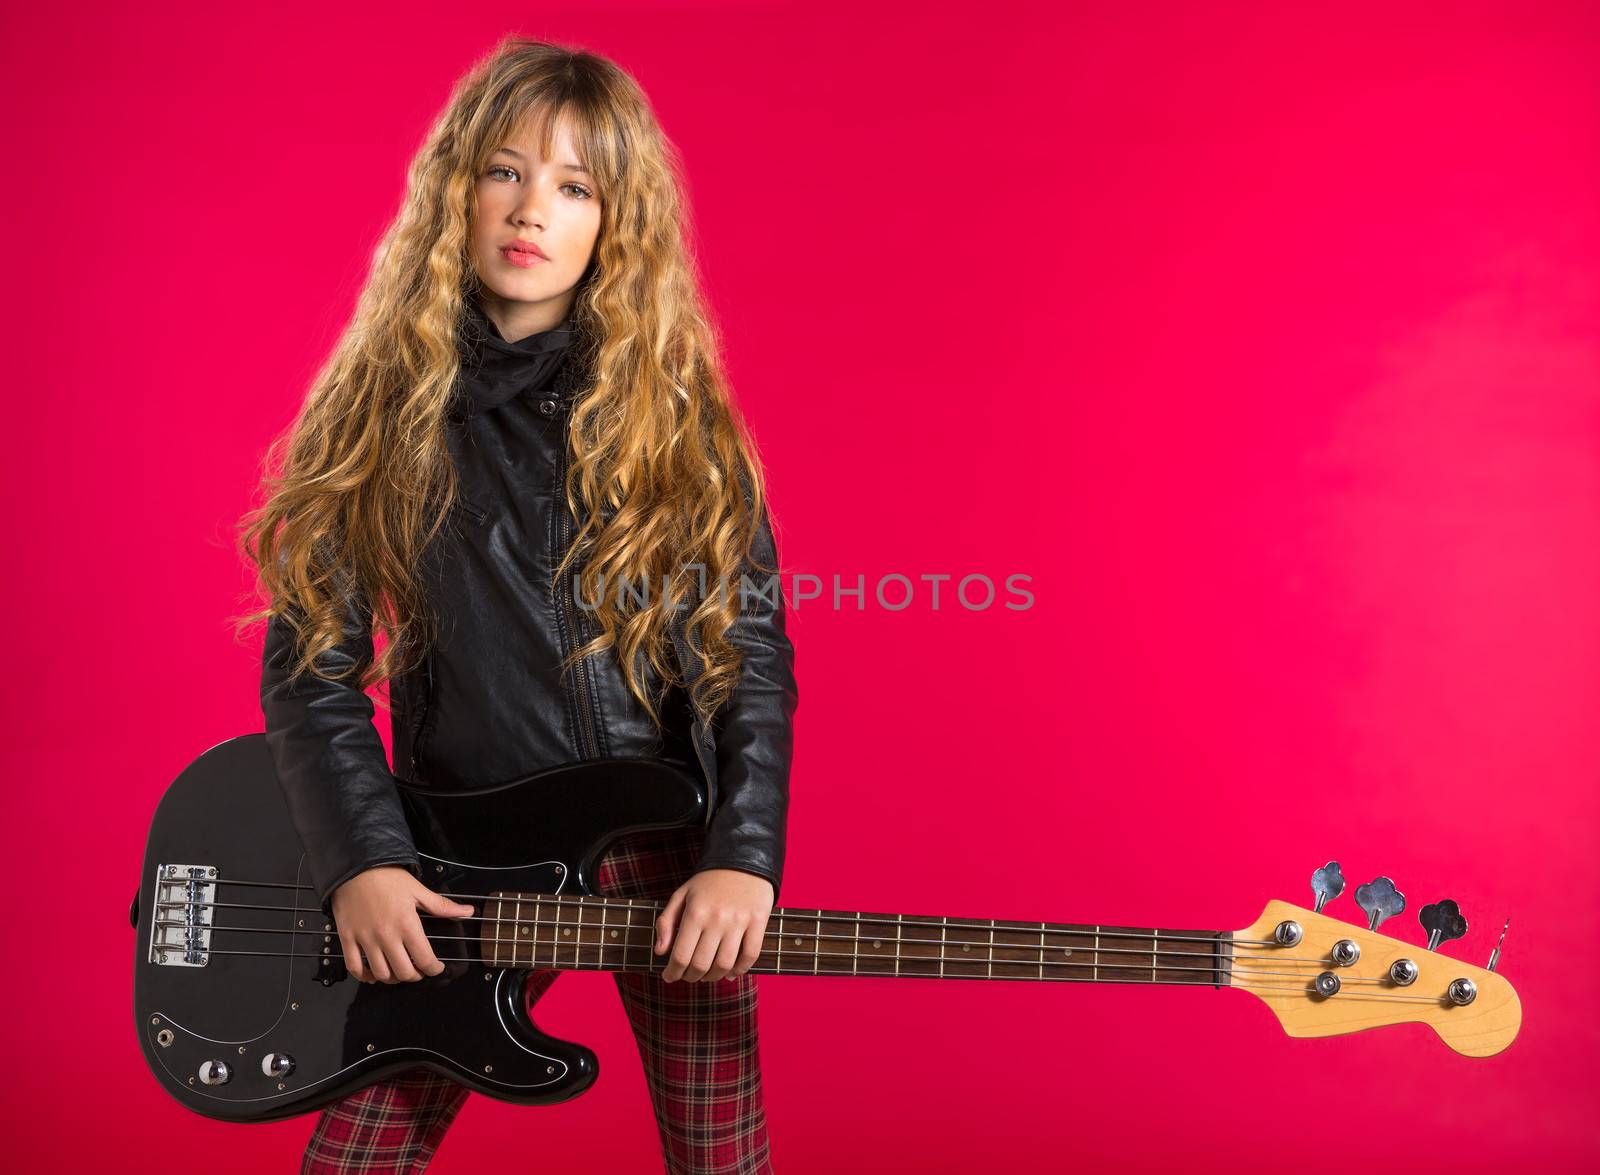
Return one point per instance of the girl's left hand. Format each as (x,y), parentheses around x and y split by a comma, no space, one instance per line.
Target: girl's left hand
(723,914)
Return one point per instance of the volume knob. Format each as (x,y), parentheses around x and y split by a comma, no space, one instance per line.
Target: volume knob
(215,1072)
(277,1064)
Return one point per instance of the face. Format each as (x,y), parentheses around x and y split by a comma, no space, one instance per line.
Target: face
(548,207)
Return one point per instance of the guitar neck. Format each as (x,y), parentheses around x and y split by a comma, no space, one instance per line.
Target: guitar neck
(591,933)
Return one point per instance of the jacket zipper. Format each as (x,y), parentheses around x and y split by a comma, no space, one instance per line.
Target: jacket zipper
(589,742)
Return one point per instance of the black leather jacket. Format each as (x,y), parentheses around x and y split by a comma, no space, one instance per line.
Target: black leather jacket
(486,705)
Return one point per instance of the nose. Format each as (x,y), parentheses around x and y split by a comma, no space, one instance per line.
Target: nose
(529,211)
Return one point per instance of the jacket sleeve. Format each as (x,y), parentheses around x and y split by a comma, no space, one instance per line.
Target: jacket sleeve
(755,731)
(342,799)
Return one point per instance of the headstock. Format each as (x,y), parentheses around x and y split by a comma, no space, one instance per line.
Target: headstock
(1324,977)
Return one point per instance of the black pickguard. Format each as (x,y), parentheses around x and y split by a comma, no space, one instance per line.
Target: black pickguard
(287,992)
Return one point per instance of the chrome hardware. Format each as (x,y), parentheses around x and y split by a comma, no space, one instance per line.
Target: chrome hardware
(1345,952)
(277,1065)
(1443,921)
(1287,933)
(1326,984)
(215,1072)
(1380,899)
(1494,955)
(180,924)
(1327,883)
(1462,991)
(1403,972)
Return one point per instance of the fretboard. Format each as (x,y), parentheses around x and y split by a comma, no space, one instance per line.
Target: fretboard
(585,933)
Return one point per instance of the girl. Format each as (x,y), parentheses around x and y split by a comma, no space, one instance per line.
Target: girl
(527,411)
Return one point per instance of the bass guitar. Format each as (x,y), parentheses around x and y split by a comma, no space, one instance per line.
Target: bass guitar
(245,1012)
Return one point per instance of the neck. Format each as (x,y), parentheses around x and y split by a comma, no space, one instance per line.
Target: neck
(581,932)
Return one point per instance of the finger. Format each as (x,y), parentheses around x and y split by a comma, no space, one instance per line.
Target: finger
(399,956)
(353,961)
(421,950)
(437,903)
(682,950)
(705,955)
(754,938)
(667,923)
(727,957)
(377,962)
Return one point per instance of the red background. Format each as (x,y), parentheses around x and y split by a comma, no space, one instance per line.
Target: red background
(1264,341)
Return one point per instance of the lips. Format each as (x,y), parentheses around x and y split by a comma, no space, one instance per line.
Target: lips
(523,258)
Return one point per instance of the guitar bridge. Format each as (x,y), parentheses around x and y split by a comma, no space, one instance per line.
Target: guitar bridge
(180,925)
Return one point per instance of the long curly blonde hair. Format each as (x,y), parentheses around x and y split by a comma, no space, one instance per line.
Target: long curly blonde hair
(663,479)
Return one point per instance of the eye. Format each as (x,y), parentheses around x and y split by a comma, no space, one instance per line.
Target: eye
(587,194)
(500,167)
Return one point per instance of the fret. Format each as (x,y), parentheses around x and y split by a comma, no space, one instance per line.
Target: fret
(558,932)
(510,939)
(1097,952)
(1155,945)
(499,904)
(897,921)
(555,933)
(855,949)
(516,926)
(533,947)
(600,961)
(1041,950)
(584,912)
(816,947)
(627,943)
(777,959)
(512,924)
(990,974)
(944,925)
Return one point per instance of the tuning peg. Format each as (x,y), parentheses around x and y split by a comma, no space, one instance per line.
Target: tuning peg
(1327,883)
(1380,899)
(1443,921)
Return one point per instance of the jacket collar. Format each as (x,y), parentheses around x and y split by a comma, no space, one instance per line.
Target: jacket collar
(494,371)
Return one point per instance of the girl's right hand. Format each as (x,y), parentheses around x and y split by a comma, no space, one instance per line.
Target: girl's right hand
(376,913)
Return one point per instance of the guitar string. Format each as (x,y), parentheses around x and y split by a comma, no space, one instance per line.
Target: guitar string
(886,921)
(558,924)
(587,901)
(516,943)
(776,970)
(519,942)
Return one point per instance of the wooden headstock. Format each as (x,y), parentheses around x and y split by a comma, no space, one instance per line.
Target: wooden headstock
(1316,988)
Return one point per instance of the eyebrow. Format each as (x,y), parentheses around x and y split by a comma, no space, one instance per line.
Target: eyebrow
(518,154)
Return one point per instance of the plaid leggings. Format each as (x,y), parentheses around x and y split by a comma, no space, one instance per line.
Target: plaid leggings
(697,1041)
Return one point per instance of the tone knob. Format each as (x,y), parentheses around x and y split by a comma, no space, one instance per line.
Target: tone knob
(214,1072)
(277,1065)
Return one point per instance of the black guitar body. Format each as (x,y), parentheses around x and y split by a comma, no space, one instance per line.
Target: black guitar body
(250,1015)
